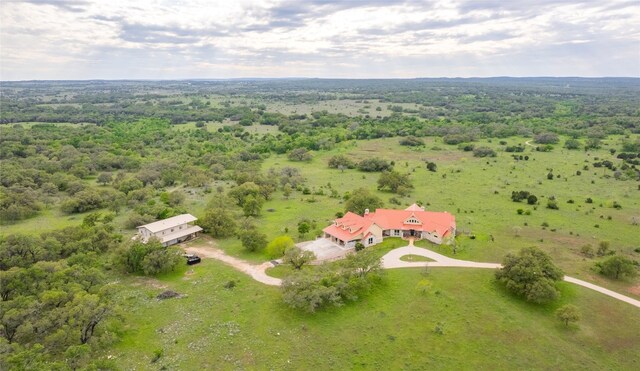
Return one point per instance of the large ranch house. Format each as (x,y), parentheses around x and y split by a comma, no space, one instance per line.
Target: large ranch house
(373,227)
(170,231)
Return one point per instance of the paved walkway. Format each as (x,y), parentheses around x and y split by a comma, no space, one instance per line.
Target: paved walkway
(258,272)
(392,260)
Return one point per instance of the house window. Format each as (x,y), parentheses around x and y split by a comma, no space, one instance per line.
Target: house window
(370,241)
(171,229)
(396,232)
(412,221)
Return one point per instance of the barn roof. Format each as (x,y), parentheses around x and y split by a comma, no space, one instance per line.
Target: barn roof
(174,221)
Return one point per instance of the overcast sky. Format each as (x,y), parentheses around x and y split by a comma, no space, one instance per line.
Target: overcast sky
(167,39)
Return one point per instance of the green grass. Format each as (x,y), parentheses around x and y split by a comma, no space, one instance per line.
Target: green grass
(391,328)
(477,191)
(415,258)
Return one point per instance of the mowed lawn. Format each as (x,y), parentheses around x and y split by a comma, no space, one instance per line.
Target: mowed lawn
(391,328)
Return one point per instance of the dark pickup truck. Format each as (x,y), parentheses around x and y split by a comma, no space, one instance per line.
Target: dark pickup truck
(192,259)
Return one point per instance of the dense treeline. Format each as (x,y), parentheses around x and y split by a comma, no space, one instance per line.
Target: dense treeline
(596,106)
(55,305)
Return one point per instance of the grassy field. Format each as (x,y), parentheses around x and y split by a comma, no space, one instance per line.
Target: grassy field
(391,328)
(477,191)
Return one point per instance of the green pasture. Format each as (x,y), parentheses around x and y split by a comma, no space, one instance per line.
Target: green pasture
(393,327)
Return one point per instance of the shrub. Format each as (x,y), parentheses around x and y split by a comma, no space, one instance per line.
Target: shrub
(411,141)
(298,257)
(149,258)
(546,138)
(374,164)
(484,152)
(587,251)
(568,313)
(361,199)
(341,162)
(394,181)
(277,247)
(530,274)
(517,196)
(332,285)
(572,144)
(252,240)
(552,204)
(300,154)
(617,267)
(603,248)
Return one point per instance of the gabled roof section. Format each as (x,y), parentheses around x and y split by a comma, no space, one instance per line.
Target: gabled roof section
(413,219)
(174,221)
(350,227)
(414,207)
(438,222)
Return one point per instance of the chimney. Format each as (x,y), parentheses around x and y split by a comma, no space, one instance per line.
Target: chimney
(366,211)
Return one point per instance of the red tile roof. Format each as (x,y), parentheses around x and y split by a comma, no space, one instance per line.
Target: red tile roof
(429,221)
(350,227)
(353,226)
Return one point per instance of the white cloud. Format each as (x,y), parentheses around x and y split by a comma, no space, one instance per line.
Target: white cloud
(82,39)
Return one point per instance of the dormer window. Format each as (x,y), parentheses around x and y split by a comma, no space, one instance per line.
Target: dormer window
(412,221)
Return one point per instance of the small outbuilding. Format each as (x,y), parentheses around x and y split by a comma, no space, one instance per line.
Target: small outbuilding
(170,231)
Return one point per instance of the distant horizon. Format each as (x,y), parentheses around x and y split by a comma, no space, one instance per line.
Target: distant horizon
(328,78)
(79,40)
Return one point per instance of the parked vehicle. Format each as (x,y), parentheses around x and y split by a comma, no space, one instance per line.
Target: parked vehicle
(192,259)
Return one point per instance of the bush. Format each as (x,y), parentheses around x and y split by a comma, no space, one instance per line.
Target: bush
(484,152)
(411,141)
(361,199)
(617,267)
(552,204)
(136,219)
(252,240)
(219,223)
(587,251)
(603,248)
(546,138)
(332,285)
(374,164)
(517,196)
(359,246)
(341,162)
(277,247)
(297,257)
(394,181)
(568,313)
(149,258)
(572,144)
(530,274)
(457,138)
(300,154)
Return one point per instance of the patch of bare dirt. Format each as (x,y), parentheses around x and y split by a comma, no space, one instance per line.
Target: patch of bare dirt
(635,290)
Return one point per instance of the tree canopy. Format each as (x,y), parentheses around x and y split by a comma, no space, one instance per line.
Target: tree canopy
(530,274)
